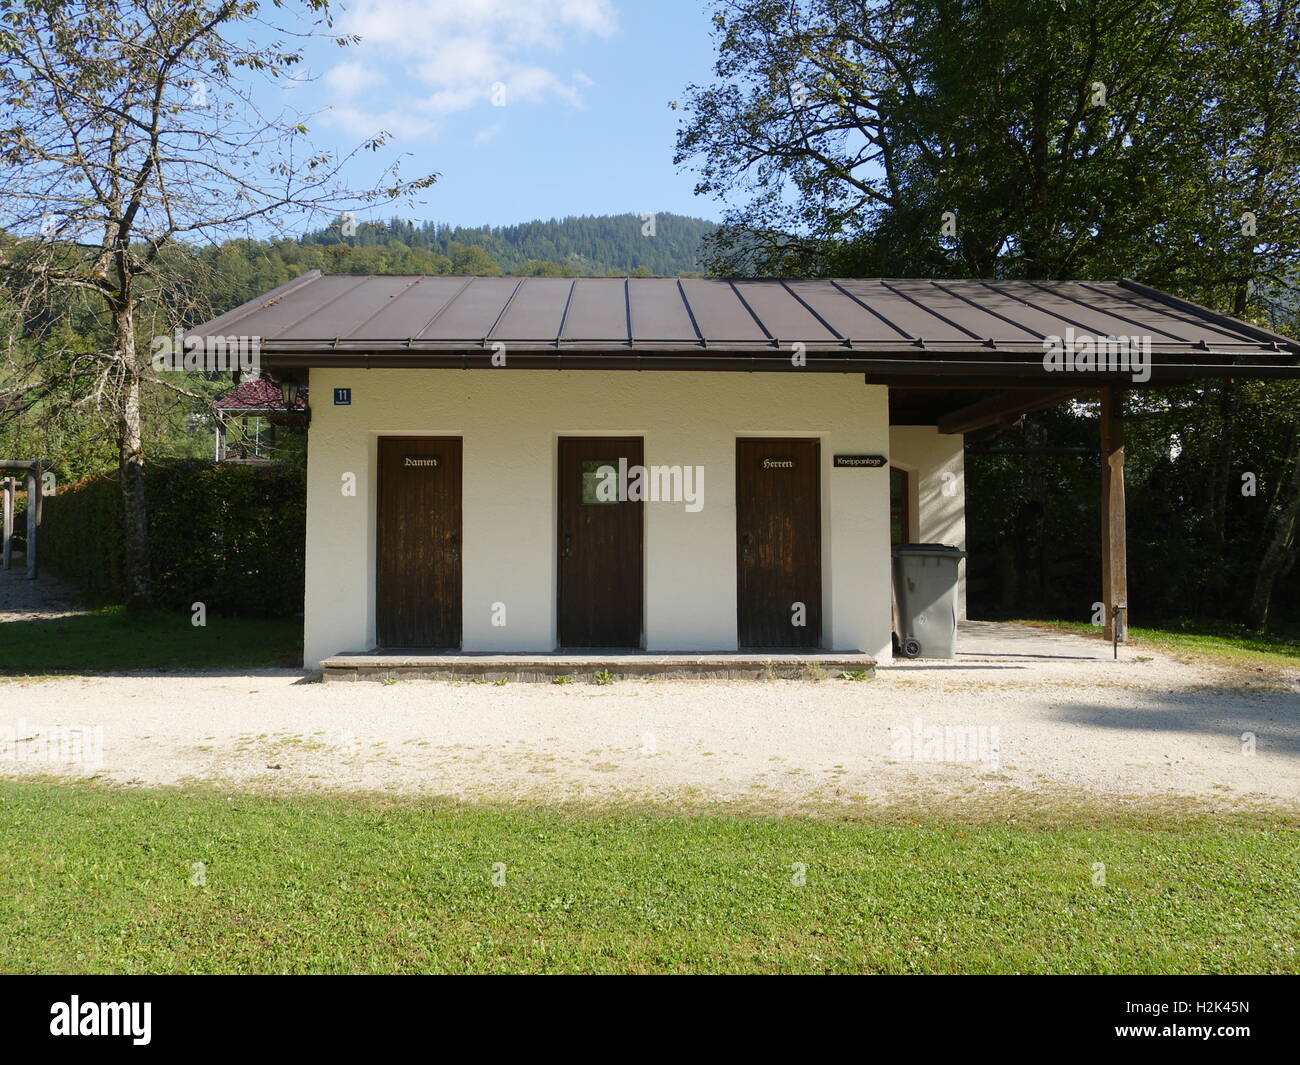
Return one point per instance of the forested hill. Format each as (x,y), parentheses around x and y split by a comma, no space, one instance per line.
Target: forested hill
(586,245)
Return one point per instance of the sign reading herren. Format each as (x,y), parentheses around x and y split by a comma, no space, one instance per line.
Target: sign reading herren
(865,462)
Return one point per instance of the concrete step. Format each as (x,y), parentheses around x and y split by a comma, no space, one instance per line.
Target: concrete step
(380,665)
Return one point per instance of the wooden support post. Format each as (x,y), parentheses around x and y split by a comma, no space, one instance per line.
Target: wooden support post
(8,524)
(221,437)
(1114,541)
(33,518)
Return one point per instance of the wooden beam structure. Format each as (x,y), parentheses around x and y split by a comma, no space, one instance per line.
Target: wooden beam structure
(33,469)
(1114,535)
(1005,406)
(33,519)
(7,528)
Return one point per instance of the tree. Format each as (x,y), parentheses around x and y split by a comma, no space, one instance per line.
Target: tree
(125,129)
(1026,138)
(473,261)
(1035,139)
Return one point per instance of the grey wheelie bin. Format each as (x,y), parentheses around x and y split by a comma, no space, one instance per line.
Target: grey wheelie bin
(925,587)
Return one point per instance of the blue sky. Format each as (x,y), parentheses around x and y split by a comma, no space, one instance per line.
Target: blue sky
(580,122)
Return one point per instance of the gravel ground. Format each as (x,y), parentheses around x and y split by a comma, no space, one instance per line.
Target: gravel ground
(1137,729)
(38,600)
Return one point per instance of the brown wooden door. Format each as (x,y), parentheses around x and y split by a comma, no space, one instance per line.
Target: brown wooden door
(778,543)
(599,546)
(418,587)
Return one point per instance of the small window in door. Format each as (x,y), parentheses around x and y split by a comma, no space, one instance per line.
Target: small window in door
(599,481)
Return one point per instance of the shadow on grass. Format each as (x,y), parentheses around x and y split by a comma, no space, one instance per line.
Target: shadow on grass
(114,640)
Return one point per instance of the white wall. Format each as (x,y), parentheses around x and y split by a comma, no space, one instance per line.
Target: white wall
(511,420)
(937,509)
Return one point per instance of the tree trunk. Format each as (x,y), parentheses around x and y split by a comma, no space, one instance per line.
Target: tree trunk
(1279,553)
(135,523)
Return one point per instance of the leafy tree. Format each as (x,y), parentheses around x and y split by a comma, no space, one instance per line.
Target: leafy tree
(1042,139)
(472,261)
(126,128)
(1055,138)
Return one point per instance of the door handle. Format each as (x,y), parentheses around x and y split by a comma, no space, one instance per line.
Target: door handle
(568,540)
(745,541)
(455,547)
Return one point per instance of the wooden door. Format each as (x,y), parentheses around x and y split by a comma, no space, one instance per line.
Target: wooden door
(778,543)
(600,539)
(418,585)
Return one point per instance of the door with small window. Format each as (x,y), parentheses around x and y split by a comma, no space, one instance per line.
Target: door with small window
(600,544)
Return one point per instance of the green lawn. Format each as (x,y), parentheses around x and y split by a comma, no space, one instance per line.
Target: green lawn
(1230,644)
(113,639)
(100,881)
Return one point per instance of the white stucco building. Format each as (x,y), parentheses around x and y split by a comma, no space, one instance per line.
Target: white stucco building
(465,432)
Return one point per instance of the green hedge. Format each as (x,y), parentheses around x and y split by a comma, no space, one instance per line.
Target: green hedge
(228,536)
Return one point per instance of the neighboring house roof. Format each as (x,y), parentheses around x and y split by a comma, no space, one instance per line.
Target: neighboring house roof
(333,316)
(258,394)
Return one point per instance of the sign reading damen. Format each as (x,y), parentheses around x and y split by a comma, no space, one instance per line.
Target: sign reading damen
(865,462)
(427,461)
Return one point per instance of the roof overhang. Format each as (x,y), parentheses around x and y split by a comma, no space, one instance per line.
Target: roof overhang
(940,343)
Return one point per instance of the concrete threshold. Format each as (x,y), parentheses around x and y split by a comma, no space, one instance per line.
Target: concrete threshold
(593,667)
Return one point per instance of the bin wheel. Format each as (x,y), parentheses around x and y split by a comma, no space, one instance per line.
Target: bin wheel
(912,647)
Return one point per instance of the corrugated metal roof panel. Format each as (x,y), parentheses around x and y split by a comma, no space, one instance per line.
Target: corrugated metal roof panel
(659,311)
(472,312)
(903,311)
(785,316)
(870,317)
(720,312)
(275,316)
(536,311)
(406,308)
(598,311)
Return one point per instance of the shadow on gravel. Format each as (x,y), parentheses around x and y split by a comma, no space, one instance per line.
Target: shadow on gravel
(1272,717)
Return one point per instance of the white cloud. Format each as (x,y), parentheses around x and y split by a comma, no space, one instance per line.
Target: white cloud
(488,133)
(454,52)
(362,122)
(352,78)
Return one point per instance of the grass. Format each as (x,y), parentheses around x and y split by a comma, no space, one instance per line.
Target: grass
(114,639)
(107,881)
(1221,642)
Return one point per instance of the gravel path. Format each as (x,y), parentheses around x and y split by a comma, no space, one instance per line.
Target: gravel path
(1137,729)
(39,600)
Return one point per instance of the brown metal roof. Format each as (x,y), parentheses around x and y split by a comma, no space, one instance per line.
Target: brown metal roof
(886,327)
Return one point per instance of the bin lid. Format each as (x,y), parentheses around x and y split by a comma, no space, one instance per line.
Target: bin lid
(934,550)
